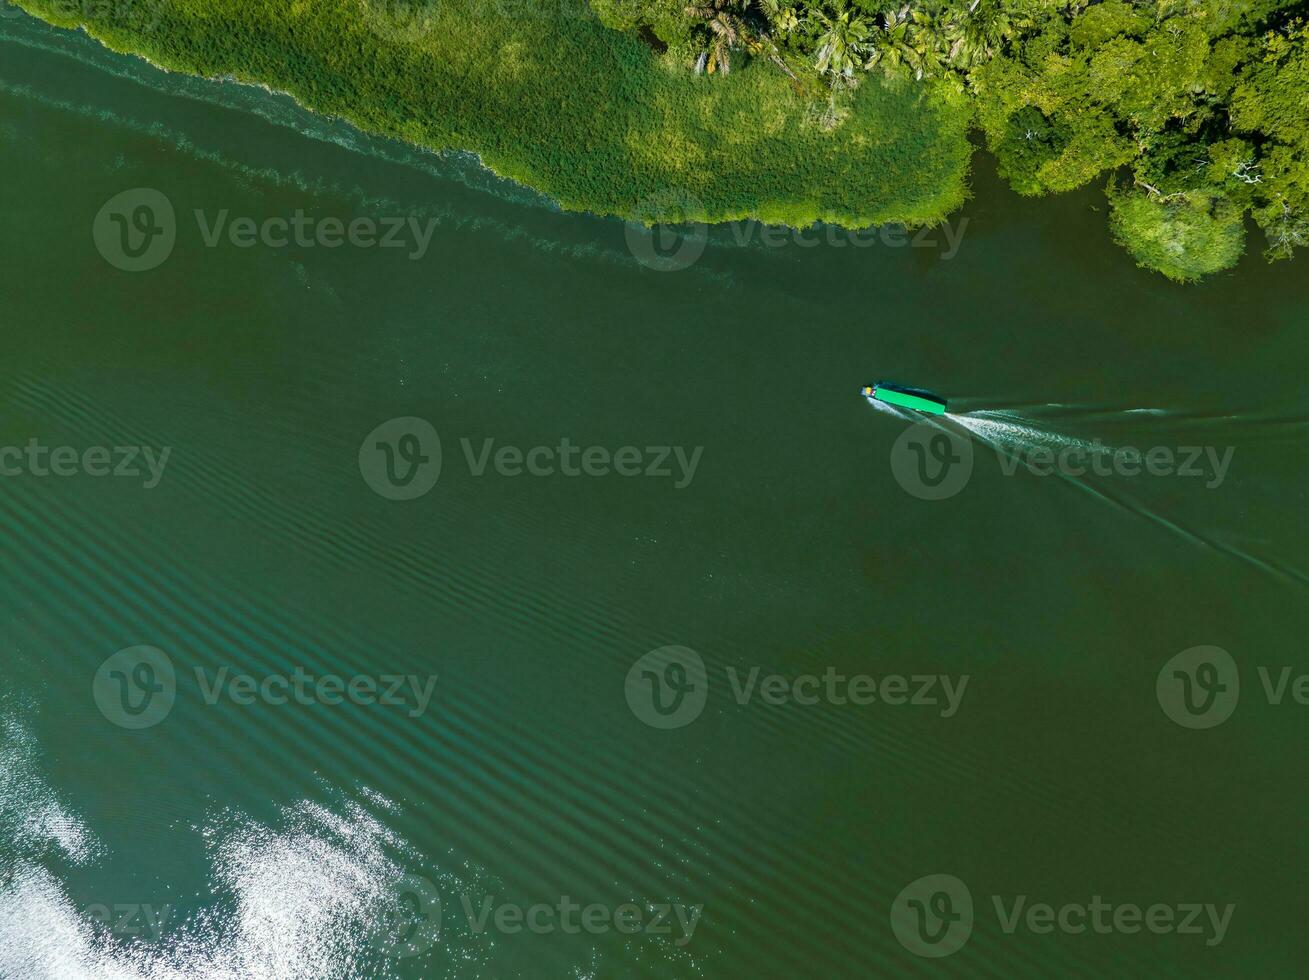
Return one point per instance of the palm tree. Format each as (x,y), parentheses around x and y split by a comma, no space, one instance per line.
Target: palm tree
(932,37)
(844,42)
(985,30)
(891,45)
(727,29)
(731,24)
(782,19)
(922,42)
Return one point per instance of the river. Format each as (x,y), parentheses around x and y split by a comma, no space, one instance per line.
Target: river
(406,578)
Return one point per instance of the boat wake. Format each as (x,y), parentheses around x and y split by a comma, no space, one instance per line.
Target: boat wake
(1013,434)
(1025,437)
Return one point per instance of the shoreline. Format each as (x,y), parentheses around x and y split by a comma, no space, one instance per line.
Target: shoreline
(925,165)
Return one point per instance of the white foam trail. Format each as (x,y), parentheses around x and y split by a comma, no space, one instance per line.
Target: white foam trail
(1015,436)
(1010,433)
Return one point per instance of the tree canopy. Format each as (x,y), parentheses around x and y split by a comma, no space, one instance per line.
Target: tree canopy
(1198,109)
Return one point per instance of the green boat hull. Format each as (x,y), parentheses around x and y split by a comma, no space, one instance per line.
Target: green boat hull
(905,399)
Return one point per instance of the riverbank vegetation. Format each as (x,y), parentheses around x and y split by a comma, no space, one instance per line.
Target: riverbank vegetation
(1196,111)
(550,97)
(1193,113)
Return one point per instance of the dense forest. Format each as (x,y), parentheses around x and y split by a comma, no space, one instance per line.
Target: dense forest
(1193,114)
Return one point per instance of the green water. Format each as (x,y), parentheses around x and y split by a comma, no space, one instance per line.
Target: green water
(271,839)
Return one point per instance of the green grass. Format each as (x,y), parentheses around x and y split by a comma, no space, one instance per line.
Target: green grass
(549,97)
